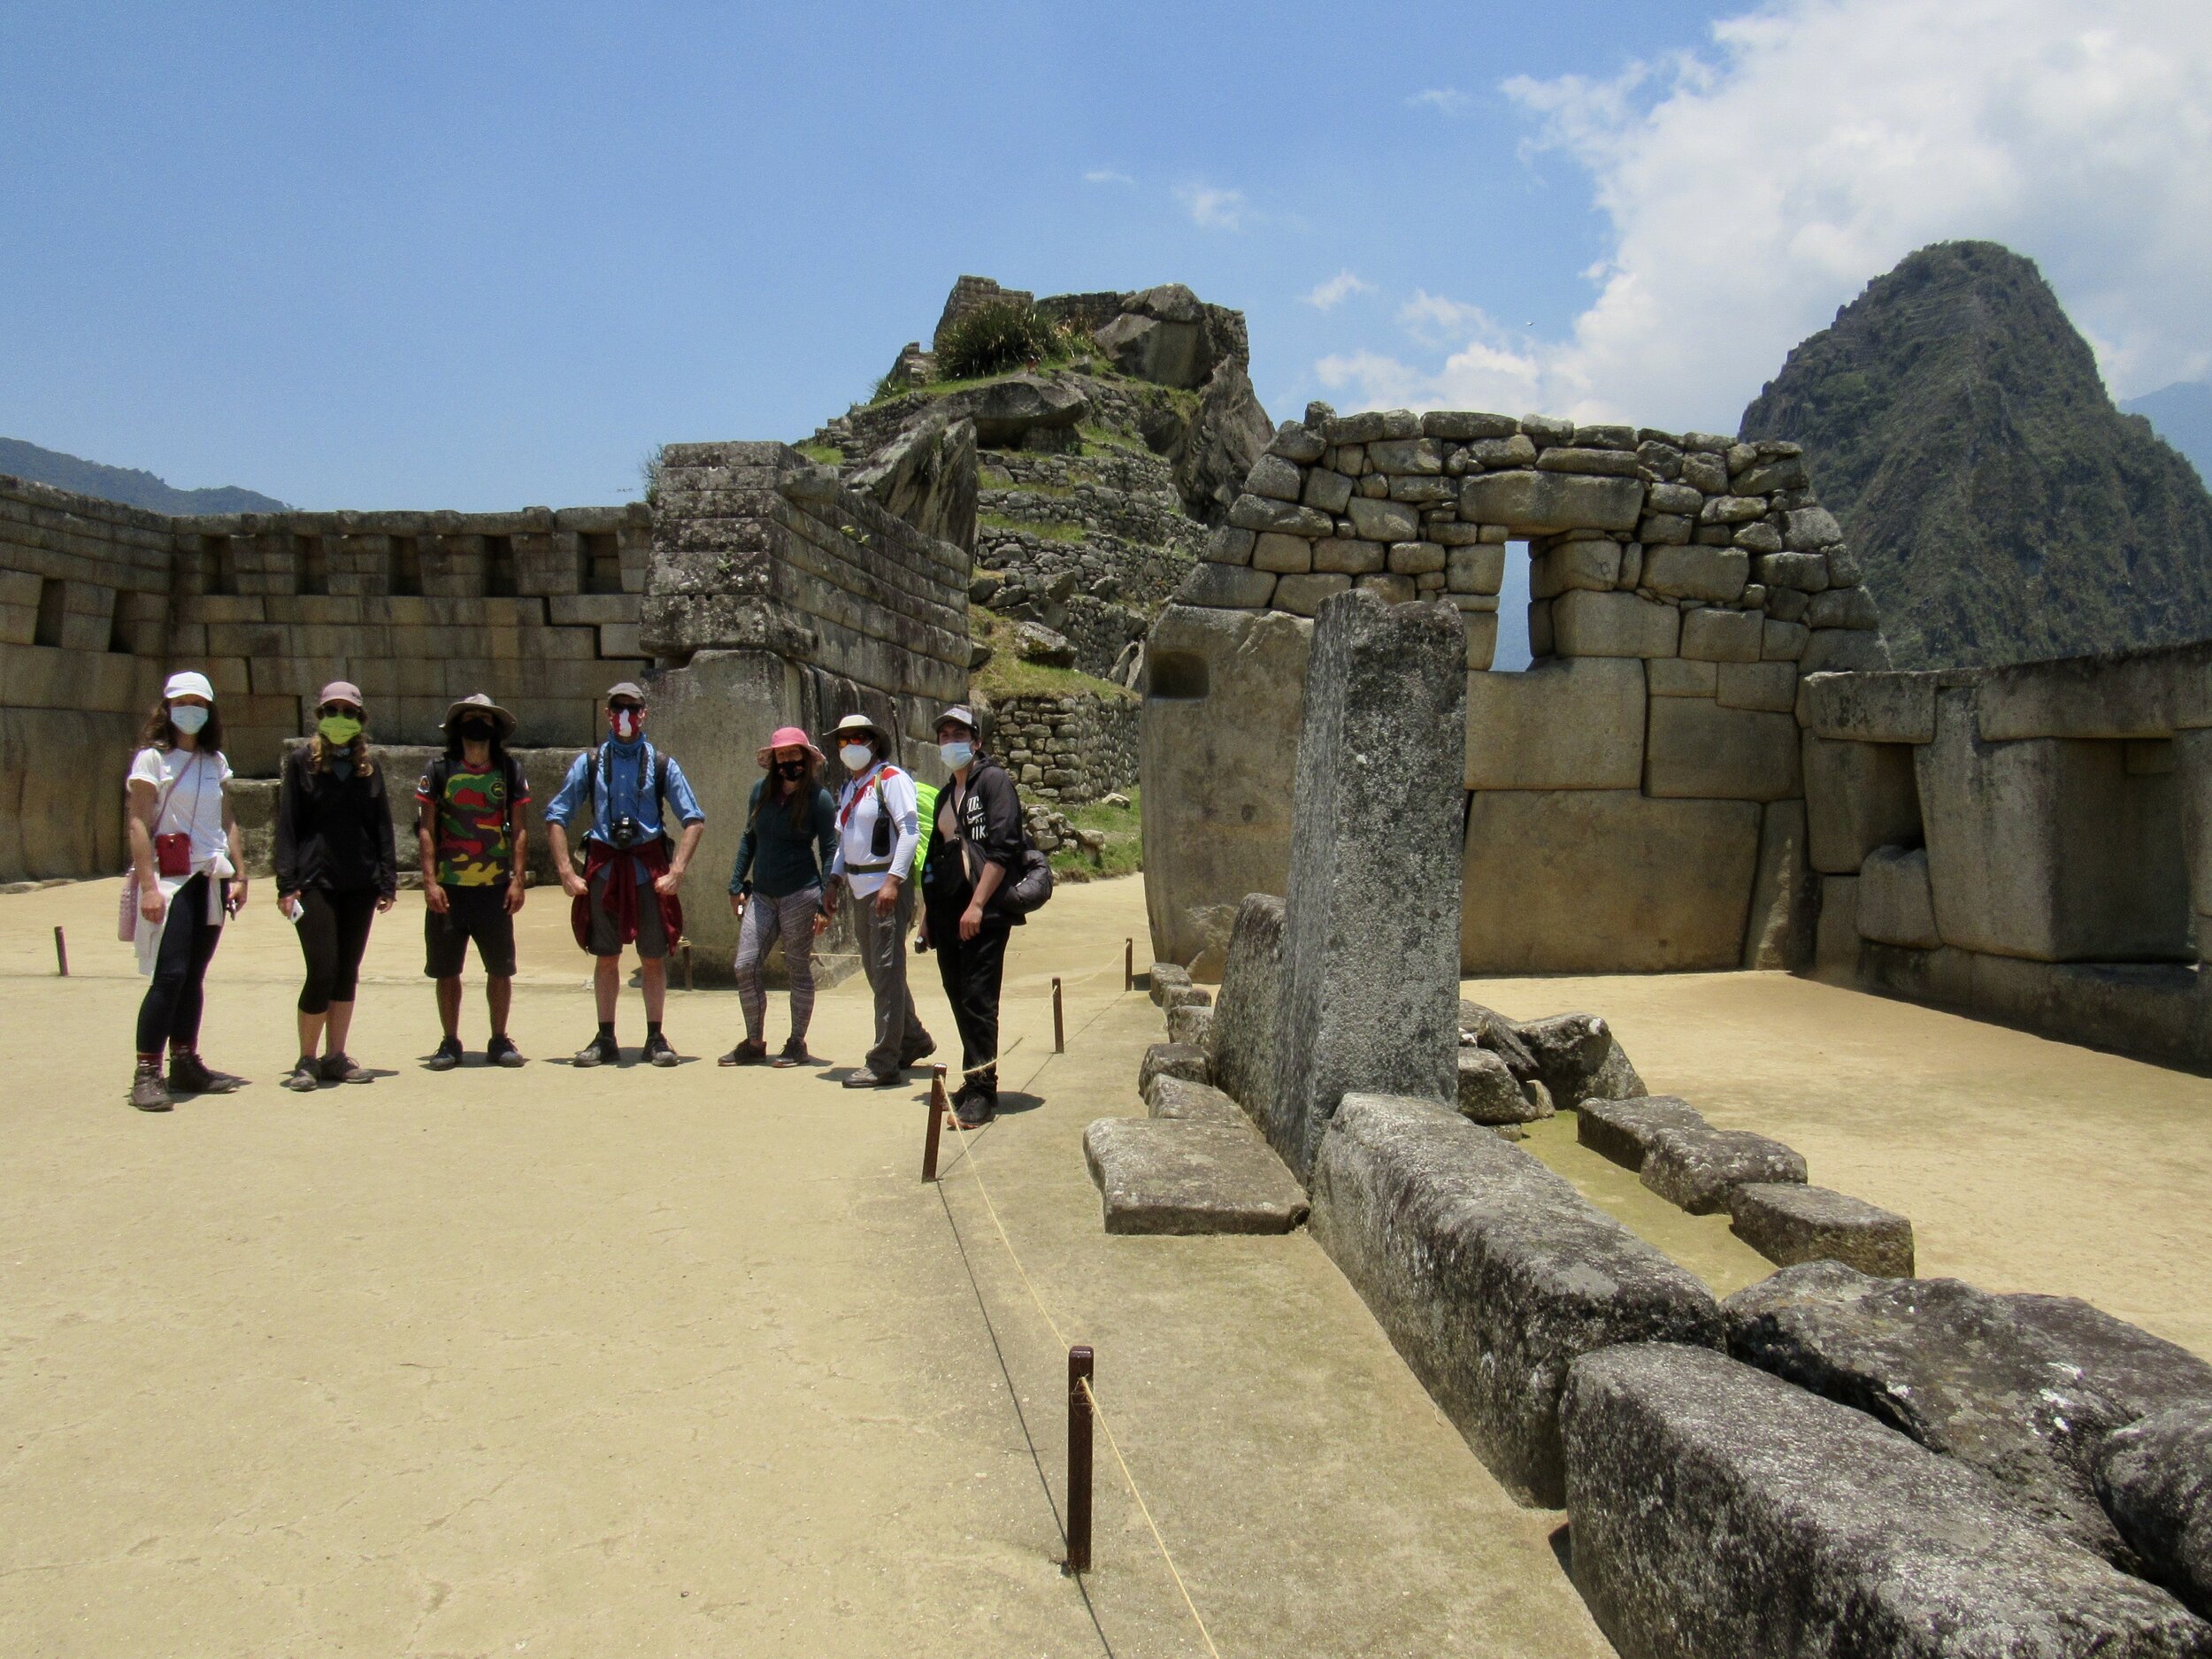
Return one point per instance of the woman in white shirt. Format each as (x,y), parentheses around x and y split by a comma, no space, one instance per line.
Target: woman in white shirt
(191,875)
(877,836)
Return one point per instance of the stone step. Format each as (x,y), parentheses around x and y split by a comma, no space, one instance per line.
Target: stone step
(1166,1175)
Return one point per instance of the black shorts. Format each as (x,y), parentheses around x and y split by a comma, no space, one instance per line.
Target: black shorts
(652,938)
(471,913)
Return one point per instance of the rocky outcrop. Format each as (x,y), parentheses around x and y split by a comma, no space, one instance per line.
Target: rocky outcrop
(926,476)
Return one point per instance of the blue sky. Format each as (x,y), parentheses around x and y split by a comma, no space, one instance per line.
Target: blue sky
(481,256)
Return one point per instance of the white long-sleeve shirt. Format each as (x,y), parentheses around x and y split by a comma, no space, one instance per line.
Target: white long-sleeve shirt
(856,814)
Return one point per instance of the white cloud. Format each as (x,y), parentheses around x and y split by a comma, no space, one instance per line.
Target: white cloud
(1211,209)
(1336,290)
(1107,175)
(1443,100)
(1753,189)
(1434,320)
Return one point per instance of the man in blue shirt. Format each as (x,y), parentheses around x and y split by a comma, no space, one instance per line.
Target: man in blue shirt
(628,888)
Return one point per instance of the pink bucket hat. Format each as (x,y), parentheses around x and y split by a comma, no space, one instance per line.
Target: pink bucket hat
(788,737)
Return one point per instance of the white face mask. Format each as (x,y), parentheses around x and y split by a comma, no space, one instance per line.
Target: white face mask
(188,717)
(957,753)
(856,755)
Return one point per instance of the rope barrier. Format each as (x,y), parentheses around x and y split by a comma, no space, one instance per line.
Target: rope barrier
(967,1157)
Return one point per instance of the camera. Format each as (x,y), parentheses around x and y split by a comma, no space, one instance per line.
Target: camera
(624,830)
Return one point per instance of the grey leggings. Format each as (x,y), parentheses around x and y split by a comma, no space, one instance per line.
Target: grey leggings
(791,918)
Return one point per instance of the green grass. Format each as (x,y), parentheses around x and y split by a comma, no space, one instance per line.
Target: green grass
(823,454)
(1050,530)
(1099,439)
(1123,854)
(1007,675)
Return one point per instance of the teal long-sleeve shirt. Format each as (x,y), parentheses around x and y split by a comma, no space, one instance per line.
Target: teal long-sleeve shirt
(780,859)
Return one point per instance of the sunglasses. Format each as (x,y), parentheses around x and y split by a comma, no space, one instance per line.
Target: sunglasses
(338,708)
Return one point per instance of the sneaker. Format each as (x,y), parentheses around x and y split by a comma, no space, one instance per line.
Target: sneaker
(658,1053)
(188,1074)
(501,1050)
(305,1077)
(340,1068)
(863,1078)
(973,1108)
(598,1051)
(793,1052)
(752,1051)
(448,1057)
(147,1092)
(916,1052)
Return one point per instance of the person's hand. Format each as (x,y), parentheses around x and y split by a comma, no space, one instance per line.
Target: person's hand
(921,935)
(972,921)
(434,896)
(888,897)
(516,894)
(237,895)
(572,883)
(384,903)
(666,884)
(289,906)
(821,923)
(737,905)
(151,905)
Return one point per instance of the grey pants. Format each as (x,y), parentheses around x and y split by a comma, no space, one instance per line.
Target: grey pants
(883,959)
(792,919)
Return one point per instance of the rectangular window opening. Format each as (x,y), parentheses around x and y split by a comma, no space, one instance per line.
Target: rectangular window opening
(218,568)
(404,565)
(51,597)
(599,562)
(119,629)
(310,567)
(1514,654)
(499,567)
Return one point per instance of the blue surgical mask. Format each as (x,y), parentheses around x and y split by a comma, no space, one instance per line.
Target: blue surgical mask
(188,718)
(957,753)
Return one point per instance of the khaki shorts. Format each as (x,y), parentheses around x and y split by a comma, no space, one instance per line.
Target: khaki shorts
(652,938)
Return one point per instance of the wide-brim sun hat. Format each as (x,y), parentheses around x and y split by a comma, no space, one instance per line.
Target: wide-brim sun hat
(788,737)
(188,684)
(477,703)
(859,725)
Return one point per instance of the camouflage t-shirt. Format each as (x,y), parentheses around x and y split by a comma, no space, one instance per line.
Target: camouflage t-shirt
(475,848)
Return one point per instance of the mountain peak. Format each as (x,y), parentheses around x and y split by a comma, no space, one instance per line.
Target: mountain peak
(128,485)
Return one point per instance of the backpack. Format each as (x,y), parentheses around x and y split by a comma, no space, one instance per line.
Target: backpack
(926,817)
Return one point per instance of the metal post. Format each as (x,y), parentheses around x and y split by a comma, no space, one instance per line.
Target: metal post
(1128,965)
(1059,1020)
(61,955)
(936,1122)
(1079,1459)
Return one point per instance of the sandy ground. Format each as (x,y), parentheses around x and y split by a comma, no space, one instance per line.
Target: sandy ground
(670,1362)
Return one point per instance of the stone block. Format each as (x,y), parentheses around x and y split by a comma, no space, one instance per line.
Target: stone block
(1719,1513)
(1578,1058)
(1592,566)
(1489,1273)
(1285,554)
(1697,573)
(1276,478)
(1188,1022)
(1567,723)
(1196,1102)
(1185,1060)
(1349,557)
(1163,979)
(1613,624)
(1697,1166)
(1373,943)
(1808,529)
(1605,881)
(1544,503)
(1225,586)
(1845,649)
(1723,636)
(2155,1478)
(1679,677)
(1482,638)
(1843,608)
(1384,521)
(1227,545)
(1858,797)
(1242,1047)
(1257,514)
(2142,693)
(1327,491)
(2049,848)
(1699,750)
(1475,569)
(1490,1093)
(1416,559)
(1302,596)
(1622,1130)
(1177,1175)
(1421,456)
(1894,905)
(1781,641)
(1807,572)
(1771,687)
(1783,901)
(1788,1223)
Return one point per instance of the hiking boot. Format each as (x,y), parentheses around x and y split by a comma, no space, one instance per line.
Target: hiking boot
(752,1051)
(973,1108)
(448,1057)
(793,1052)
(598,1051)
(863,1078)
(188,1074)
(147,1092)
(305,1077)
(658,1053)
(340,1068)
(917,1051)
(501,1050)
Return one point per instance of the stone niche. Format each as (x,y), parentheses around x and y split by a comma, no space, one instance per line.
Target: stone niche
(1635,799)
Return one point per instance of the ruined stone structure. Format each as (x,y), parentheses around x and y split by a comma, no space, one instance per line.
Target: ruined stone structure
(1634,800)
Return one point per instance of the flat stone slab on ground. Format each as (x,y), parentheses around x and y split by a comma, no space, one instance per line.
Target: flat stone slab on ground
(1788,1223)
(1719,1513)
(1179,1098)
(2155,1478)
(1158,1175)
(1622,1130)
(1697,1166)
(1170,1059)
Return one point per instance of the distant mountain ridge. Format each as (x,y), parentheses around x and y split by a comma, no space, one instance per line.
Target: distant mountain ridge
(1954,421)
(127,484)
(2182,413)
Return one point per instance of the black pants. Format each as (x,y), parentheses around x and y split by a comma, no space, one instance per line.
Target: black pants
(334,933)
(971,970)
(169,1013)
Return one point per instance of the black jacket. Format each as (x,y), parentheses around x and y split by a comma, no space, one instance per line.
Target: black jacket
(334,832)
(990,829)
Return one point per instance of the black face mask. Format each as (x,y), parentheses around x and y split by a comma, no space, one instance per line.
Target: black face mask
(791,771)
(476,732)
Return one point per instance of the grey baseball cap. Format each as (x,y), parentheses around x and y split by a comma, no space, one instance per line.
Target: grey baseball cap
(624,688)
(960,714)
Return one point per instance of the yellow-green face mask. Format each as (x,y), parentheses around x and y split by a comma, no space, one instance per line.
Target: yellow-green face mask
(338,728)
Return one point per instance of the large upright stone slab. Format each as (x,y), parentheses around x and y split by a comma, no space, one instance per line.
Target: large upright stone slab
(1719,1513)
(1372,938)
(1224,690)
(1605,881)
(1784,906)
(1568,723)
(1246,1033)
(1702,750)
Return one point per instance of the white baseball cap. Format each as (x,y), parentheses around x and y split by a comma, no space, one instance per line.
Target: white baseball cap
(188,684)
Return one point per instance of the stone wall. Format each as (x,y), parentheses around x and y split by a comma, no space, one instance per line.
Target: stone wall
(1069,750)
(2031,844)
(1634,800)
